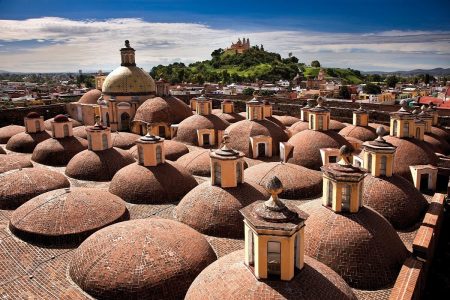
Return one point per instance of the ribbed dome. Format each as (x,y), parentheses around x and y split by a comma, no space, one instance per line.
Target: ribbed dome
(140,259)
(26,142)
(395,198)
(58,152)
(213,210)
(48,123)
(90,97)
(229,278)
(241,132)
(164,183)
(187,129)
(197,162)
(286,120)
(359,132)
(67,215)
(98,165)
(8,131)
(229,117)
(169,110)
(128,80)
(172,150)
(410,152)
(20,186)
(298,182)
(12,162)
(124,140)
(298,127)
(307,146)
(336,125)
(361,247)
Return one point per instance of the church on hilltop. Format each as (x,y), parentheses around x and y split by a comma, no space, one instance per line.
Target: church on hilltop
(239,47)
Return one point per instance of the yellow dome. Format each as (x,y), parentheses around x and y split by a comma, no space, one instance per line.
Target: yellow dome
(128,80)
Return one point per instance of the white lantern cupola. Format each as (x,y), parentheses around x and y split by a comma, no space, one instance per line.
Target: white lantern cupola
(378,155)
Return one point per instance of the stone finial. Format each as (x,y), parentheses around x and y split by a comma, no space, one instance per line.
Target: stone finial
(127,44)
(404,104)
(381,131)
(274,187)
(225,141)
(149,129)
(320,101)
(97,121)
(345,151)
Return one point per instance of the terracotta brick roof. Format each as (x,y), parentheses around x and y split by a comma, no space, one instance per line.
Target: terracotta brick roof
(141,259)
(395,198)
(20,186)
(187,129)
(169,110)
(376,125)
(286,120)
(336,125)
(12,162)
(124,140)
(26,142)
(80,132)
(436,143)
(359,132)
(213,210)
(229,278)
(58,152)
(230,118)
(164,183)
(440,132)
(90,97)
(66,215)
(48,123)
(197,162)
(8,131)
(362,247)
(172,149)
(298,127)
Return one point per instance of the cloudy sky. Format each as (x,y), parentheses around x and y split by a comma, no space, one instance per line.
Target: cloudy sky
(60,36)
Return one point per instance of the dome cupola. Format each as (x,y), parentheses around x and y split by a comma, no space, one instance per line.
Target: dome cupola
(61,127)
(127,55)
(150,149)
(203,106)
(98,136)
(402,122)
(378,155)
(34,123)
(319,116)
(254,110)
(360,117)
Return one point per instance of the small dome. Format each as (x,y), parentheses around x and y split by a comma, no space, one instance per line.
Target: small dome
(197,162)
(165,183)
(187,129)
(241,132)
(410,152)
(61,118)
(20,186)
(67,215)
(58,152)
(307,146)
(287,121)
(26,142)
(298,127)
(172,150)
(98,165)
(437,143)
(13,162)
(440,132)
(213,210)
(128,80)
(336,125)
(395,198)
(298,182)
(124,140)
(363,247)
(168,110)
(90,97)
(276,122)
(8,131)
(359,132)
(228,117)
(33,115)
(229,278)
(140,259)
(80,132)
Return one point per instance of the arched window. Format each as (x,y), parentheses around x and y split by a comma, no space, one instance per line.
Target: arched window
(418,133)
(383,165)
(320,119)
(358,119)
(141,154)
(158,154)
(346,194)
(369,162)
(406,129)
(238,172)
(66,130)
(255,113)
(105,141)
(217,173)
(395,127)
(311,121)
(273,258)
(38,125)
(330,194)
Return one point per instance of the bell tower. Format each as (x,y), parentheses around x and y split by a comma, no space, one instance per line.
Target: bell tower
(319,116)
(378,155)
(150,149)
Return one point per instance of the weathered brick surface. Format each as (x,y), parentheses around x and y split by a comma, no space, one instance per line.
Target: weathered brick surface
(408,283)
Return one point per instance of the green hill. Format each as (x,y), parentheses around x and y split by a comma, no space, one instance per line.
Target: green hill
(254,64)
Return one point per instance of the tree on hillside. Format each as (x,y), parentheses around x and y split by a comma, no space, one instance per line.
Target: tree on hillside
(217,52)
(371,88)
(344,92)
(248,91)
(391,81)
(315,64)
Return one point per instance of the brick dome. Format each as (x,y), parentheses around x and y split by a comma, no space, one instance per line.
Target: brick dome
(197,162)
(298,182)
(229,278)
(363,247)
(298,127)
(172,149)
(168,110)
(437,143)
(8,131)
(213,210)
(307,146)
(376,125)
(140,259)
(26,142)
(80,132)
(165,183)
(67,215)
(395,198)
(90,97)
(58,152)
(98,165)
(286,120)
(12,162)
(124,140)
(187,129)
(336,125)
(410,152)
(359,132)
(441,132)
(276,122)
(2,151)
(60,118)
(20,186)
(228,117)
(241,132)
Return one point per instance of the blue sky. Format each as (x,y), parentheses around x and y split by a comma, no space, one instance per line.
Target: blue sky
(50,35)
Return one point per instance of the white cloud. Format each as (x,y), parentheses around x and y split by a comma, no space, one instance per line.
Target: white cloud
(68,45)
